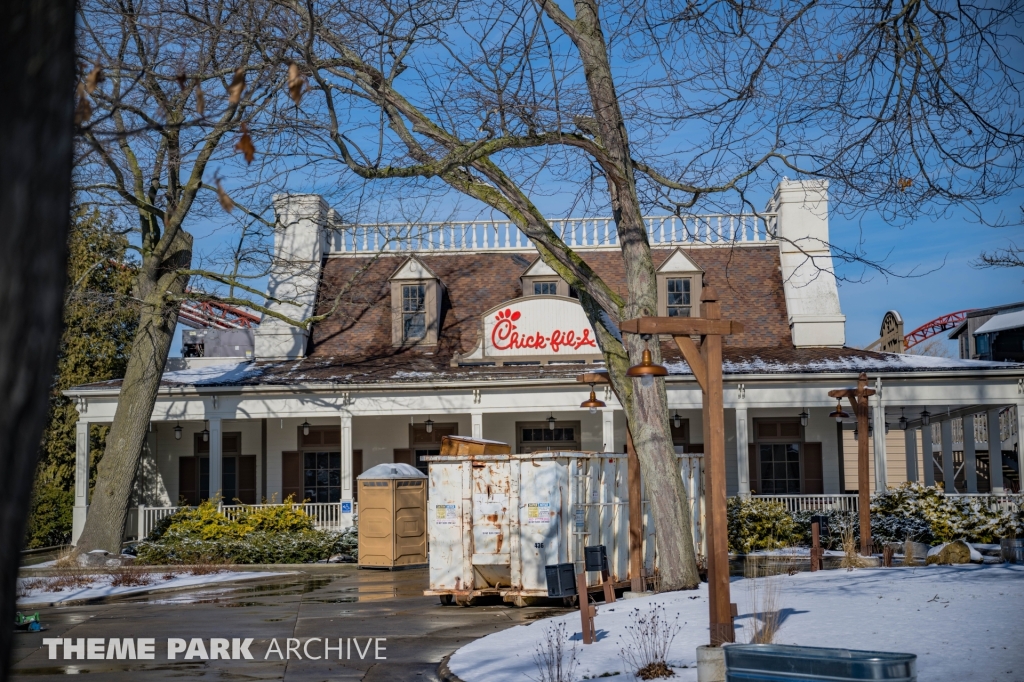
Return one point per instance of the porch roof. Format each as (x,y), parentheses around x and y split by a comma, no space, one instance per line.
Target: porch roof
(765,361)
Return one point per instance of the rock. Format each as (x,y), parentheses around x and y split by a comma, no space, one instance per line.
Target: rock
(99,558)
(956,552)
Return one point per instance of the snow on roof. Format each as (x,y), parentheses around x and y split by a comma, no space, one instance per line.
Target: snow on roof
(214,374)
(1000,322)
(892,362)
(397,470)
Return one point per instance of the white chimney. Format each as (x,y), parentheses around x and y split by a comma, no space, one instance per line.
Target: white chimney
(294,274)
(809,280)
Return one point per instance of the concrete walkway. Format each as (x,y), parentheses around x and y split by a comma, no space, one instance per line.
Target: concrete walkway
(332,601)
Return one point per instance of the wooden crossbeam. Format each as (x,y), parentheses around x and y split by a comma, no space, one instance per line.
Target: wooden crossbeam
(593,378)
(680,326)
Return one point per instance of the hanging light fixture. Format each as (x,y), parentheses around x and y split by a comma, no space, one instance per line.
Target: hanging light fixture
(551,422)
(926,417)
(903,420)
(429,425)
(677,421)
(205,433)
(803,418)
(177,431)
(592,403)
(305,428)
(838,413)
(856,432)
(646,370)
(887,428)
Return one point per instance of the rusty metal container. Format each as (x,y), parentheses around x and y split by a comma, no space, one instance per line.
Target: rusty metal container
(463,445)
(496,520)
(392,517)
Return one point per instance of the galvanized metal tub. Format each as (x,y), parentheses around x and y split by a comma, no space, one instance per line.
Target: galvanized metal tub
(778,662)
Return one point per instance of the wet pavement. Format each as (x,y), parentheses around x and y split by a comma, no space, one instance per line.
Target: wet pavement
(333,601)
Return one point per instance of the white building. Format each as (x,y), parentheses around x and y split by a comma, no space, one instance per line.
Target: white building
(460,328)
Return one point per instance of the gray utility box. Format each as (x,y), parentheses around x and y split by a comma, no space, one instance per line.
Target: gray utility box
(779,662)
(218,343)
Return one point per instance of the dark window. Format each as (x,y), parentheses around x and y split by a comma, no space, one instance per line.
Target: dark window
(414,311)
(545,288)
(559,434)
(321,476)
(678,303)
(780,468)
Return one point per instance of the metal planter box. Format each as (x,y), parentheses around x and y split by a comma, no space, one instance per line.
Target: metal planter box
(777,662)
(496,521)
(392,517)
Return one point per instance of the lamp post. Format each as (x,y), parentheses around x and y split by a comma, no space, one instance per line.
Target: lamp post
(858,398)
(706,364)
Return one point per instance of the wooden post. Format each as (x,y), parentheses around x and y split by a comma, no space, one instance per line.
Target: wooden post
(722,630)
(817,563)
(587,612)
(636,521)
(858,398)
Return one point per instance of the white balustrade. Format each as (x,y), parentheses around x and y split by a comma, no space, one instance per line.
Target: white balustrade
(794,503)
(579,233)
(325,515)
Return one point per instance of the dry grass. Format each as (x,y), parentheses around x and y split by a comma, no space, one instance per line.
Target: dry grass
(764,587)
(851,557)
(129,576)
(556,661)
(650,637)
(206,566)
(888,552)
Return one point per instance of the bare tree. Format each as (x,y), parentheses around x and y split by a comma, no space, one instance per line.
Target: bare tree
(167,91)
(35,191)
(905,107)
(1011,256)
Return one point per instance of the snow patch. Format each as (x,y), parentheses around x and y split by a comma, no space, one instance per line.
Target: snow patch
(214,374)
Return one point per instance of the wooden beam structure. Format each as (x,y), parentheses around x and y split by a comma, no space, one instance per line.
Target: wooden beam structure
(706,364)
(858,398)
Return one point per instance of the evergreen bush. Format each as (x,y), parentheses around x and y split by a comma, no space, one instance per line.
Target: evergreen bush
(758,524)
(279,534)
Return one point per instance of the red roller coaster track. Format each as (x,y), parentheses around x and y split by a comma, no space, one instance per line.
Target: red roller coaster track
(936,326)
(199,315)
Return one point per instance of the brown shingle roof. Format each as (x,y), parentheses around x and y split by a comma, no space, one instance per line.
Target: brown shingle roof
(359,330)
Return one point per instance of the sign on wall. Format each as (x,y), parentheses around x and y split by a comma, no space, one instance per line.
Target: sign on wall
(536,327)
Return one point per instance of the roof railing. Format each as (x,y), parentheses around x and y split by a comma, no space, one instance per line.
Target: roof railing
(579,233)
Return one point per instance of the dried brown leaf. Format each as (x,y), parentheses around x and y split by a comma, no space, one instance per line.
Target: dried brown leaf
(94,78)
(200,100)
(237,86)
(225,201)
(182,80)
(245,144)
(83,110)
(296,83)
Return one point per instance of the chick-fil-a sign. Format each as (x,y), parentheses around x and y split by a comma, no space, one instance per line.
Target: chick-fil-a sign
(542,325)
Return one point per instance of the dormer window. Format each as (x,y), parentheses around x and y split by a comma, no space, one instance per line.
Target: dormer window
(678,301)
(414,312)
(545,288)
(416,296)
(679,285)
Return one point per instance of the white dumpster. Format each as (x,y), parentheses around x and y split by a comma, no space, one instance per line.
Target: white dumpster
(495,521)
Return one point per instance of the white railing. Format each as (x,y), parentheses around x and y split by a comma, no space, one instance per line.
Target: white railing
(795,503)
(325,515)
(579,233)
(1007,502)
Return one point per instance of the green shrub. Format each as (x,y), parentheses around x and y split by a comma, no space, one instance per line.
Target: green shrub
(926,514)
(758,524)
(50,516)
(262,535)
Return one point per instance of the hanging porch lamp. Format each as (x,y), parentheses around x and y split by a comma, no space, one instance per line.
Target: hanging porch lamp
(926,417)
(646,370)
(677,421)
(305,428)
(903,420)
(177,431)
(838,413)
(551,422)
(803,418)
(591,403)
(205,433)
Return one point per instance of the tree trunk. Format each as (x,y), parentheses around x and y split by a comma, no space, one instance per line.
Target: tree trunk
(37,78)
(108,509)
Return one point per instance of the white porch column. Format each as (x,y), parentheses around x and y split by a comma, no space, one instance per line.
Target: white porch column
(881,481)
(928,455)
(608,429)
(995,453)
(477,421)
(1019,409)
(81,479)
(346,457)
(970,456)
(216,457)
(948,472)
(742,453)
(910,445)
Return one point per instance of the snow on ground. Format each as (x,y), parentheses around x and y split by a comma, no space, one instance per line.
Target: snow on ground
(963,622)
(101,587)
